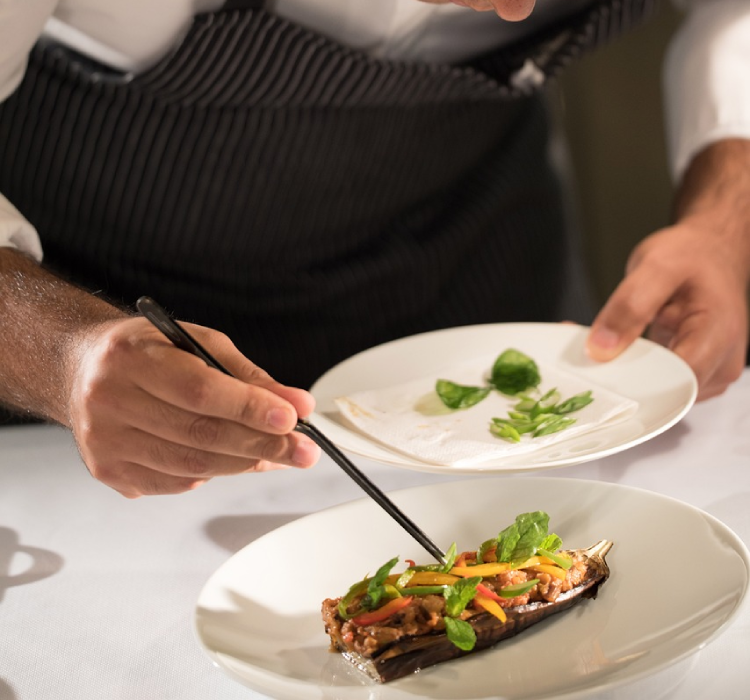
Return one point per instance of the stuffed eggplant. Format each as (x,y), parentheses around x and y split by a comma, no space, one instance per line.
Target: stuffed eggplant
(393,624)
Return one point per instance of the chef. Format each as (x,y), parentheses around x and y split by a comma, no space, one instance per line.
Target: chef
(304,179)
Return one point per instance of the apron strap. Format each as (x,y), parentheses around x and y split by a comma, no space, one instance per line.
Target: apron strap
(243,4)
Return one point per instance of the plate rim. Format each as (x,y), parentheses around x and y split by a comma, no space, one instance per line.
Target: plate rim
(338,433)
(737,545)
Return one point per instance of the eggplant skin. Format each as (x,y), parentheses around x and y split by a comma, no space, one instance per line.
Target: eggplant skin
(413,653)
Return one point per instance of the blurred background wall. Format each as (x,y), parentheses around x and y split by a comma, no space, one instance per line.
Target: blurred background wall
(610,107)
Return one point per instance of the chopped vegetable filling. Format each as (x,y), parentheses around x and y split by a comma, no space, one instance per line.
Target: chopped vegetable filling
(521,565)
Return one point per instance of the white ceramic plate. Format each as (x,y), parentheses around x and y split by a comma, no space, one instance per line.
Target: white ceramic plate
(663,385)
(258,617)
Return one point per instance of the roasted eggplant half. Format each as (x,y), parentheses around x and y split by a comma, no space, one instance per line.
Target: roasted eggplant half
(393,624)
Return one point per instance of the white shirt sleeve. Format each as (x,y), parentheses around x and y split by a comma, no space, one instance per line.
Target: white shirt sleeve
(707,78)
(21,24)
(16,232)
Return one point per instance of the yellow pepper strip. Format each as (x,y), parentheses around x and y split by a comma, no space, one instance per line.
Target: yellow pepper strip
(426,578)
(547,560)
(531,561)
(480,570)
(494,569)
(556,571)
(491,607)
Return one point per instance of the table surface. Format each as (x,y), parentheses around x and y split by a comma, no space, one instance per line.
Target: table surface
(97,592)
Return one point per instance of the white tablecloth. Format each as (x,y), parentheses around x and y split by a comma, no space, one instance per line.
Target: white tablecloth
(97,592)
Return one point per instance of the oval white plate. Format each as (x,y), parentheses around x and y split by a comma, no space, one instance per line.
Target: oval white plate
(662,383)
(258,617)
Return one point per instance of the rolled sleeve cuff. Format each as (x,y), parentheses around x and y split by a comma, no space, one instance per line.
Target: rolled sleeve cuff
(16,232)
(707,80)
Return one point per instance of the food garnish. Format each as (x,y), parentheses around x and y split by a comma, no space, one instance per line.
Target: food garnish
(516,374)
(392,624)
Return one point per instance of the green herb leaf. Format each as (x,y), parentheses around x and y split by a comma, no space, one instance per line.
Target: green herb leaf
(517,589)
(520,540)
(458,396)
(375,587)
(514,372)
(461,633)
(551,543)
(574,403)
(460,594)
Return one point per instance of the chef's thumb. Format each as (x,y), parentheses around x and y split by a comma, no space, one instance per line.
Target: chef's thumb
(626,315)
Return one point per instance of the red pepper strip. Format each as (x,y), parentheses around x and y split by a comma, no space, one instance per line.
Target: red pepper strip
(411,563)
(392,606)
(487,593)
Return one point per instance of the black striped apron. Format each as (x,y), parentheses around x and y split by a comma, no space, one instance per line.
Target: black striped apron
(305,198)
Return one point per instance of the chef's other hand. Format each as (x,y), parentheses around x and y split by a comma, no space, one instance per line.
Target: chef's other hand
(152,419)
(687,284)
(510,10)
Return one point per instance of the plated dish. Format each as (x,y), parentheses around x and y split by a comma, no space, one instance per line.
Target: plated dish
(660,382)
(396,623)
(258,617)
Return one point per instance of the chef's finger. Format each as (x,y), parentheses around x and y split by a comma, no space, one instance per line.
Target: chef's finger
(134,480)
(184,461)
(632,307)
(242,368)
(185,381)
(209,433)
(702,342)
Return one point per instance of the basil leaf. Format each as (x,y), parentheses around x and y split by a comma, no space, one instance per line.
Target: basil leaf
(459,396)
(520,540)
(551,543)
(574,403)
(514,372)
(375,587)
(461,633)
(460,594)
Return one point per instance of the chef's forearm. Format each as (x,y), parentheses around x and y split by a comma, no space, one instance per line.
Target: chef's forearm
(714,194)
(44,325)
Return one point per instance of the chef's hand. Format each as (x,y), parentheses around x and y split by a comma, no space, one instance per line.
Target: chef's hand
(510,10)
(152,419)
(687,284)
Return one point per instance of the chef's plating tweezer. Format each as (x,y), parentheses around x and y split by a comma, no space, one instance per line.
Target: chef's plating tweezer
(183,340)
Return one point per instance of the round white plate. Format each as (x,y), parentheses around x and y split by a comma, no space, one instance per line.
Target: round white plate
(663,385)
(678,578)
